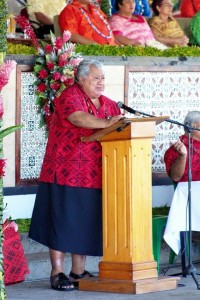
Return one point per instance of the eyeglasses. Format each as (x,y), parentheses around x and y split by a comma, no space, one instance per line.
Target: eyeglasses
(167,4)
(97,78)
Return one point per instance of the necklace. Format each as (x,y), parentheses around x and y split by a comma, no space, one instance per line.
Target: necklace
(94,27)
(90,110)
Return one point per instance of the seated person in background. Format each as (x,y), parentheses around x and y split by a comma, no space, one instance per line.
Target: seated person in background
(176,156)
(195,30)
(129,29)
(86,22)
(41,13)
(189,8)
(166,28)
(141,8)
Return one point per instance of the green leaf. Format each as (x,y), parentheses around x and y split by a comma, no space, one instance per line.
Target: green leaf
(37,68)
(40,99)
(9,130)
(40,60)
(43,43)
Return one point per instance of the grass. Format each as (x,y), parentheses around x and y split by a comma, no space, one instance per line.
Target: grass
(162,210)
(23,225)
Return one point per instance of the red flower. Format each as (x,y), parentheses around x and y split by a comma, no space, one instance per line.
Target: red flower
(68,82)
(2,165)
(61,62)
(58,43)
(56,76)
(42,74)
(55,86)
(48,48)
(50,65)
(41,87)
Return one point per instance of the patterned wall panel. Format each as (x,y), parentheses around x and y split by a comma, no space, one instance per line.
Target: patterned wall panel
(170,94)
(33,138)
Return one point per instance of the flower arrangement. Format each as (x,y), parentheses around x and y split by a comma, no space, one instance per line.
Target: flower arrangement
(55,69)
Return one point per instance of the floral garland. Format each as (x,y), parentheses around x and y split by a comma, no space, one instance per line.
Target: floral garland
(25,25)
(94,27)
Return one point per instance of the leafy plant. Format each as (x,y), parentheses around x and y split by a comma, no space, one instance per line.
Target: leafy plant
(21,49)
(9,130)
(106,50)
(162,210)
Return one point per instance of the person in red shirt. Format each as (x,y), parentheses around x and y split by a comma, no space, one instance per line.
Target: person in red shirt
(176,157)
(86,22)
(189,8)
(67,215)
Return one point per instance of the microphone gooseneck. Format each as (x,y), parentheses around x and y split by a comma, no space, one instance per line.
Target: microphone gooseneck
(129,109)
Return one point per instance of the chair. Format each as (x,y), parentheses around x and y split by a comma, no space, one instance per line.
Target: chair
(185,25)
(158,225)
(57,30)
(40,30)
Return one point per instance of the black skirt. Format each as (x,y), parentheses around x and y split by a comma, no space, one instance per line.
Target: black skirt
(68,219)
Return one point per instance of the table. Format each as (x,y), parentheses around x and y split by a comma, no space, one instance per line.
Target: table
(178,215)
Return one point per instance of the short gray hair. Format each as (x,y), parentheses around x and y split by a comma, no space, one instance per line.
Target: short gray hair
(192,117)
(85,65)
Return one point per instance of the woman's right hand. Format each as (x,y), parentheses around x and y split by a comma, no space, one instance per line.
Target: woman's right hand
(180,148)
(178,168)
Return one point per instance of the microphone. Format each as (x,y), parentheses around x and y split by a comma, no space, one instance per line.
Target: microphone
(129,109)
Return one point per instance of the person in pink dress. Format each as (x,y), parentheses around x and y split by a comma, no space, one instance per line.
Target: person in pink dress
(129,29)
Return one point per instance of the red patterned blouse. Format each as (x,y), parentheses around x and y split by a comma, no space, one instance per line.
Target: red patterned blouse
(171,155)
(73,162)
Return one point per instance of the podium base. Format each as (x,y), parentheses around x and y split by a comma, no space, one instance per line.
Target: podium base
(128,287)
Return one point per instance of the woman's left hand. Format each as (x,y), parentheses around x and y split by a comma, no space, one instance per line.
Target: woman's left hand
(86,120)
(114,120)
(182,41)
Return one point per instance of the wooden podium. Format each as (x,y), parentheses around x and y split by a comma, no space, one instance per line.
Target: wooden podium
(127,264)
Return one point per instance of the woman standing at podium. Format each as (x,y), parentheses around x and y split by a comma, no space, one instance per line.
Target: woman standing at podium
(176,156)
(67,215)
